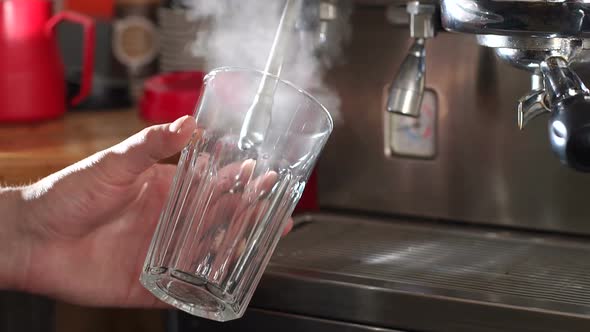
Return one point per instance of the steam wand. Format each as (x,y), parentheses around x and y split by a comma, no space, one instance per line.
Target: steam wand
(258,117)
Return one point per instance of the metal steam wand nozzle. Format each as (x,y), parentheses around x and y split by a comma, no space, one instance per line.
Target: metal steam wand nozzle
(258,116)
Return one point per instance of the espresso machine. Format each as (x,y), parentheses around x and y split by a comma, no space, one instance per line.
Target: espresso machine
(453,192)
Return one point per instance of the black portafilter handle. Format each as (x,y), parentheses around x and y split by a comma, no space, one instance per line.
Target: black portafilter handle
(569,124)
(569,132)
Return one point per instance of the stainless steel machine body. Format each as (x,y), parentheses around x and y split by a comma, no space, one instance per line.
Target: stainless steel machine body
(546,38)
(485,170)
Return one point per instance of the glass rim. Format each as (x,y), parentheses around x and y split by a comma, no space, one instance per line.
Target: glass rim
(308,95)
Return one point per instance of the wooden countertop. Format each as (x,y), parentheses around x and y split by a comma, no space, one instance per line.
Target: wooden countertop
(31,151)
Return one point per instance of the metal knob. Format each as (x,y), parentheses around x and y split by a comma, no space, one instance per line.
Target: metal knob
(569,125)
(322,28)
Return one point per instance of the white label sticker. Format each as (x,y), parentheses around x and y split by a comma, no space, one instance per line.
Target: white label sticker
(414,137)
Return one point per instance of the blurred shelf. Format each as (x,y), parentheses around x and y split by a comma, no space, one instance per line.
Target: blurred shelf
(31,151)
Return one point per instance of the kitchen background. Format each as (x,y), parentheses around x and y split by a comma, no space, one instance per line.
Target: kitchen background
(149,63)
(456,220)
(129,35)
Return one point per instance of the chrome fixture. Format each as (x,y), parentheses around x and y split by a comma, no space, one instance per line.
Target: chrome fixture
(407,89)
(544,38)
(538,18)
(323,26)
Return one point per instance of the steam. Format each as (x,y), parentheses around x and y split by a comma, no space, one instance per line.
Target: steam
(240,33)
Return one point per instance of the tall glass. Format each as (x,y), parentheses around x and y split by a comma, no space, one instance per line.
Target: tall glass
(227,206)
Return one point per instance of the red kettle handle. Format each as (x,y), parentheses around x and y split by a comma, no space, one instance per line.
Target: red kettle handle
(88,53)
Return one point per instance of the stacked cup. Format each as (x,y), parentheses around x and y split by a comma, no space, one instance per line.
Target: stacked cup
(182,39)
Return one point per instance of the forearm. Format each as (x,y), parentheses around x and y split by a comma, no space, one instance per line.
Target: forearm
(13,239)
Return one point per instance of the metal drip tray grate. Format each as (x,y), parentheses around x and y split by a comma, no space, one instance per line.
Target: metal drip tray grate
(539,273)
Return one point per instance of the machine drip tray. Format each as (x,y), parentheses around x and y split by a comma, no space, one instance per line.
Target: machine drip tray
(429,276)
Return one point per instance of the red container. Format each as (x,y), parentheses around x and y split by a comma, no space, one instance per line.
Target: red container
(309,199)
(32,83)
(96,8)
(167,97)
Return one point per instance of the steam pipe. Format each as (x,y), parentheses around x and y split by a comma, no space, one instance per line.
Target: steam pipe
(258,117)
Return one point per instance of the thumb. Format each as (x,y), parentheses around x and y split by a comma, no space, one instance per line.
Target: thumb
(142,150)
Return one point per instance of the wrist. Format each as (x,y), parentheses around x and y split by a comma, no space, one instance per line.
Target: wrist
(14,241)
